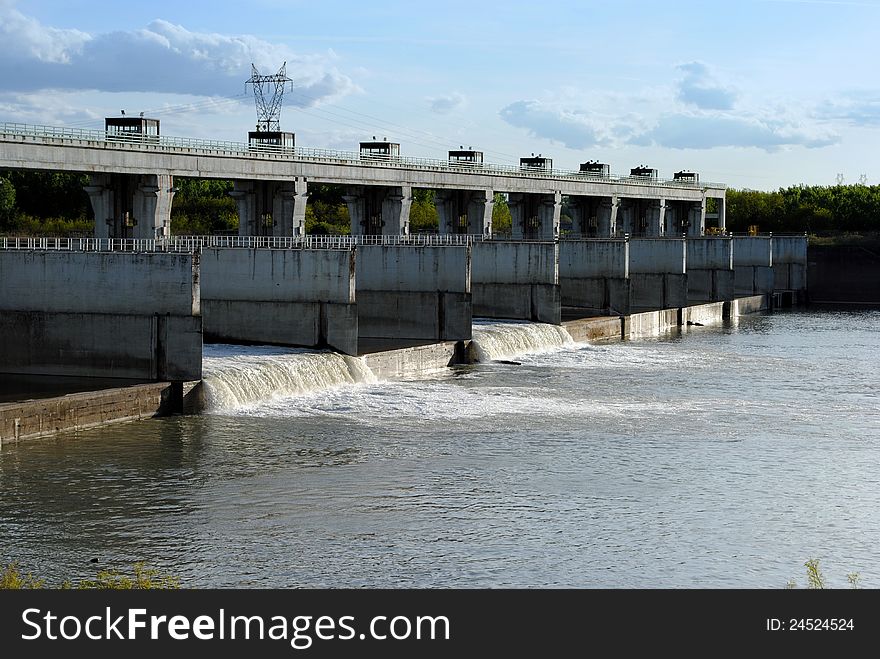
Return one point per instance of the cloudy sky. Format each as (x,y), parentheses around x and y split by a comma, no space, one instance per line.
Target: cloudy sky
(753,93)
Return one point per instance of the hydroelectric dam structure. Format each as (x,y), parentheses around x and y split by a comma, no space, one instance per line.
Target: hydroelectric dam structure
(134,302)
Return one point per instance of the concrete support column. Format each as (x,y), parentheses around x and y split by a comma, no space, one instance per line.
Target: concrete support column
(655,215)
(376,210)
(151,204)
(517,203)
(131,206)
(672,222)
(549,214)
(479,212)
(246,200)
(697,219)
(101,197)
(606,217)
(271,208)
(448,217)
(626,217)
(535,216)
(289,208)
(722,215)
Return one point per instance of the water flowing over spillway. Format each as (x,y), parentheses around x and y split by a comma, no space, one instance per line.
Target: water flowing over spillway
(237,376)
(503,340)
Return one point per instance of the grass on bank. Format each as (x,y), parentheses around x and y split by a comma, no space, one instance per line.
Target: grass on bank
(141,578)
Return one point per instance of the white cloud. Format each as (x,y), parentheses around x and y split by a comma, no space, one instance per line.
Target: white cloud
(854,108)
(695,112)
(711,130)
(699,88)
(161,57)
(575,129)
(448,103)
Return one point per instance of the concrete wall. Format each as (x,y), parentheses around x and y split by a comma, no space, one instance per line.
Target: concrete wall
(752,265)
(516,280)
(594,275)
(414,292)
(712,313)
(710,269)
(99,314)
(657,273)
(650,323)
(37,418)
(415,360)
(789,263)
(280,296)
(846,274)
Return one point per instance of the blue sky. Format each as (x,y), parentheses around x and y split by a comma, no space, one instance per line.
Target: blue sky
(753,93)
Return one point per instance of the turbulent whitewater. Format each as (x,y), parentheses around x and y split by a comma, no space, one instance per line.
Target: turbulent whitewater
(503,340)
(237,377)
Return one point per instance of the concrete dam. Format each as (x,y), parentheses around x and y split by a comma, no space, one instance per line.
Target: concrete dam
(140,311)
(135,304)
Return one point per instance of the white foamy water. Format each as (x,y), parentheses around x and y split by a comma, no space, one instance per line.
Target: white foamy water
(495,340)
(237,377)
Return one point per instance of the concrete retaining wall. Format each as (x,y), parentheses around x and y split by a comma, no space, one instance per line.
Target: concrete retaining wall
(657,273)
(414,292)
(710,269)
(98,314)
(650,323)
(36,418)
(517,280)
(280,296)
(846,274)
(752,265)
(790,263)
(594,275)
(712,313)
(415,360)
(595,329)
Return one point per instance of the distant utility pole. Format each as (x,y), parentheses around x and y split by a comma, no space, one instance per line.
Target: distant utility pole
(840,179)
(863,179)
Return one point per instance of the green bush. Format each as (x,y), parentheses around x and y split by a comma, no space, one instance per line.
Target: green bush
(143,578)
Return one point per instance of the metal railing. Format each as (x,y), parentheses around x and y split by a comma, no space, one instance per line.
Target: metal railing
(197,243)
(300,154)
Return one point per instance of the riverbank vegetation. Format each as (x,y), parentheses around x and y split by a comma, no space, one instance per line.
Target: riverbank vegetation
(54,203)
(141,578)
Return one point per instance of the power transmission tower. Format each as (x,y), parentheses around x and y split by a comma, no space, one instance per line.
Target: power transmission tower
(268,93)
(840,179)
(863,179)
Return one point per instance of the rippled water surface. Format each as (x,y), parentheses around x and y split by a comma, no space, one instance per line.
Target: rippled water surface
(721,457)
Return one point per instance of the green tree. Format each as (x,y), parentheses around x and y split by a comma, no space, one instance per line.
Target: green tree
(203,206)
(501,220)
(7,201)
(423,216)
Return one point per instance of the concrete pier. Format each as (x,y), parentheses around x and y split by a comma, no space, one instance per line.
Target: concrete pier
(131,205)
(271,208)
(710,269)
(465,211)
(517,280)
(657,273)
(100,314)
(535,216)
(752,265)
(594,276)
(296,297)
(789,263)
(414,292)
(379,210)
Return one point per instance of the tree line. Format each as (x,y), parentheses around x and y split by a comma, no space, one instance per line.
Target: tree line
(54,203)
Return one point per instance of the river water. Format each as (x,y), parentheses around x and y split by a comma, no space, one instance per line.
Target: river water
(718,457)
